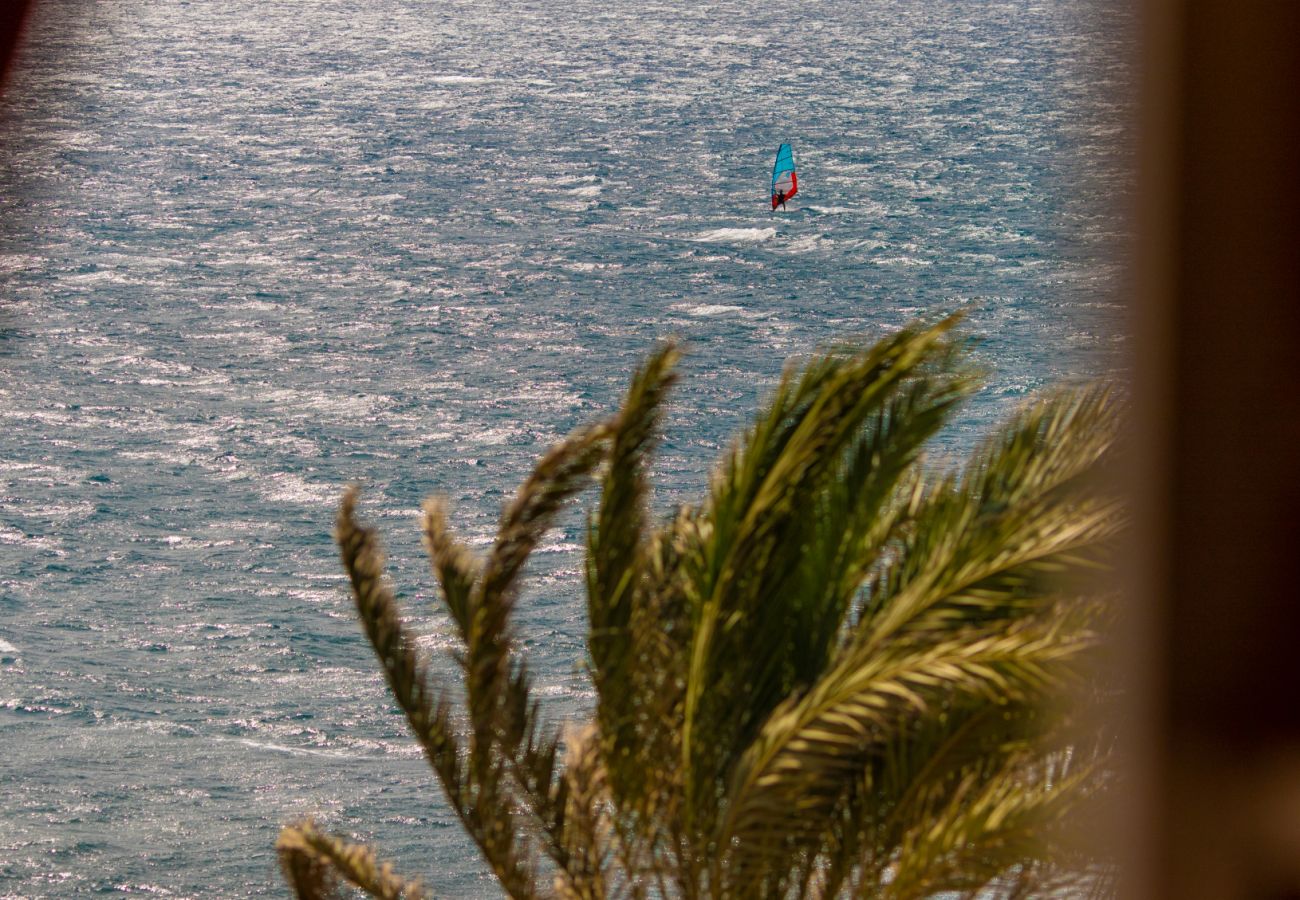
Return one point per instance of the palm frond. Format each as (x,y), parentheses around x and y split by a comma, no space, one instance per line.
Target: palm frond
(405,671)
(859,511)
(509,744)
(453,564)
(988,827)
(506,725)
(800,768)
(759,530)
(641,756)
(562,472)
(616,537)
(586,823)
(923,763)
(314,863)
(1002,540)
(515,737)
(476,796)
(629,591)
(836,675)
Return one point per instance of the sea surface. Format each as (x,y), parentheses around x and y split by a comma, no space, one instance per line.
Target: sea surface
(251,252)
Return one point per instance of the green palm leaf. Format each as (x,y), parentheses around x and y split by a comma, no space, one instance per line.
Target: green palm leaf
(840,674)
(986,826)
(759,532)
(800,768)
(1026,516)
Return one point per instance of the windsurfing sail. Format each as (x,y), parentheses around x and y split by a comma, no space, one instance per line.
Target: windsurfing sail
(785,183)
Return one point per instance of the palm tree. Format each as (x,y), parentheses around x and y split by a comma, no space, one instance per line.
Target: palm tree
(839,674)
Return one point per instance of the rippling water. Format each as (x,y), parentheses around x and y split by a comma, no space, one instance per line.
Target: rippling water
(255,251)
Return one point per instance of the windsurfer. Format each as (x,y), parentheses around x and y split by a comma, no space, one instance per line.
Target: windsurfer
(785,183)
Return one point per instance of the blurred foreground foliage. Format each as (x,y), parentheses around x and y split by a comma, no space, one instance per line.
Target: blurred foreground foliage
(840,674)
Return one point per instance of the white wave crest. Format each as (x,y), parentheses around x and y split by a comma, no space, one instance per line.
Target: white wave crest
(712,309)
(736,235)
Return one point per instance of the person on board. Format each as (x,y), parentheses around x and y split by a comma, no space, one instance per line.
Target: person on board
(780,197)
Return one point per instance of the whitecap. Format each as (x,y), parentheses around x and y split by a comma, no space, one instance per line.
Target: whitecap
(291,751)
(13,262)
(737,235)
(713,309)
(811,242)
(559,548)
(495,436)
(591,266)
(902,261)
(287,487)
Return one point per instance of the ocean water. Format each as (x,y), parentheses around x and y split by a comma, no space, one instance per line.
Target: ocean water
(251,252)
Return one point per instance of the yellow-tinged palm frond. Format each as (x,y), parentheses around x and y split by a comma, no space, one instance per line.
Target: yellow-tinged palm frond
(507,728)
(987,826)
(587,820)
(493,703)
(562,472)
(803,764)
(1025,517)
(314,863)
(617,536)
(967,610)
(858,511)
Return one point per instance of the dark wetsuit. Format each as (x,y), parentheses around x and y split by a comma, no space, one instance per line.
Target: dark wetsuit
(780,198)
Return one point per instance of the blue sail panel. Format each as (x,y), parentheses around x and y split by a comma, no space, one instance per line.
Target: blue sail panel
(785,181)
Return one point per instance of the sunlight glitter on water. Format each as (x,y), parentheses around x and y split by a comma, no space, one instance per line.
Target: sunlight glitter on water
(410,246)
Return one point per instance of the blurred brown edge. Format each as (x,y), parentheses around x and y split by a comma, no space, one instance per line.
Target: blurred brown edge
(13,15)
(1212,802)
